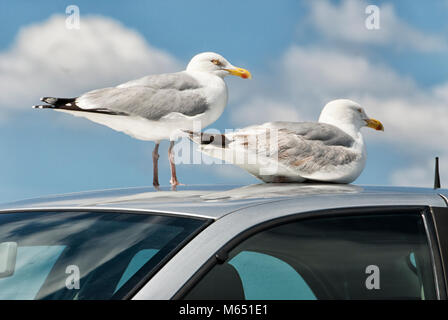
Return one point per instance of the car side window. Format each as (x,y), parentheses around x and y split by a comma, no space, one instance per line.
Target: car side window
(372,256)
(264,276)
(138,261)
(35,260)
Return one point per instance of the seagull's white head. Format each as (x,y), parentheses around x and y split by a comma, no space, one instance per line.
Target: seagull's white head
(345,113)
(214,63)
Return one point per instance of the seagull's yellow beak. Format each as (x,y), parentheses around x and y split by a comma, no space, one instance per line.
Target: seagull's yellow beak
(374,124)
(240,72)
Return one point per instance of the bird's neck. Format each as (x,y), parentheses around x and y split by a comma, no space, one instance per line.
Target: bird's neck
(355,133)
(350,129)
(215,89)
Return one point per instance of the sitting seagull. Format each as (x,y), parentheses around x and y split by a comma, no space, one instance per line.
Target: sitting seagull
(156,107)
(331,150)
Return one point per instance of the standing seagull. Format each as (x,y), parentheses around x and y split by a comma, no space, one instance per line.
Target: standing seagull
(156,107)
(331,150)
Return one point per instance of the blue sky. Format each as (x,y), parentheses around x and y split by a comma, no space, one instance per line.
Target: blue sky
(302,54)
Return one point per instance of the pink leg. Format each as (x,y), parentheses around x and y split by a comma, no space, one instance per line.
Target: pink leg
(174,182)
(155,159)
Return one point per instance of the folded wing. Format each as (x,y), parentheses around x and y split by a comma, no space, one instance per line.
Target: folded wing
(151,97)
(303,146)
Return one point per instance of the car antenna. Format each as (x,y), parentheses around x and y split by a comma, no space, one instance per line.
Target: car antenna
(437,175)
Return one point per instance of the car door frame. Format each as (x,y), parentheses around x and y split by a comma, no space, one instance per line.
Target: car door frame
(426,213)
(439,217)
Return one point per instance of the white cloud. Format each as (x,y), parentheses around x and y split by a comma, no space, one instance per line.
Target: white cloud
(346,23)
(262,109)
(48,59)
(315,75)
(421,174)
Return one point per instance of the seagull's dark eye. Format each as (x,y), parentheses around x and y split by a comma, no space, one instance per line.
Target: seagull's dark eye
(216,62)
(359,110)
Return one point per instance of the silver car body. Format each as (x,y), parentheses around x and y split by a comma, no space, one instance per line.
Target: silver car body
(233,210)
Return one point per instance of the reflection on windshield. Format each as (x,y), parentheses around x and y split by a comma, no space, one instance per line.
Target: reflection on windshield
(87,255)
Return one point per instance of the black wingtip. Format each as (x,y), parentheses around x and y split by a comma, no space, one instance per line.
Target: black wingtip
(202,138)
(50,100)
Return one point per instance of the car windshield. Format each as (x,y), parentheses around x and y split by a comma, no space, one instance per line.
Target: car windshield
(87,255)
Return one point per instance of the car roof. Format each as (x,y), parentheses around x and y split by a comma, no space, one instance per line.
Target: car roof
(215,201)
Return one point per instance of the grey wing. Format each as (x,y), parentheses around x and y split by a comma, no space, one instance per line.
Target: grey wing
(308,147)
(171,94)
(178,81)
(315,131)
